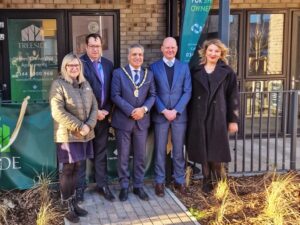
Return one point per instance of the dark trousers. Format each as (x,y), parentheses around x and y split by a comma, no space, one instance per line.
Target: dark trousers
(68,179)
(213,170)
(137,140)
(99,162)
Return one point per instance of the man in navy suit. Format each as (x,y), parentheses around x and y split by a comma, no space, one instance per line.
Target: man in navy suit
(173,86)
(98,71)
(133,92)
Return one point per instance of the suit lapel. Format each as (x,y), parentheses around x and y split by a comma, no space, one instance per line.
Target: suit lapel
(163,74)
(200,77)
(218,76)
(176,73)
(92,68)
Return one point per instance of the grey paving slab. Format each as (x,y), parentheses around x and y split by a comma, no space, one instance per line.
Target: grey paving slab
(156,211)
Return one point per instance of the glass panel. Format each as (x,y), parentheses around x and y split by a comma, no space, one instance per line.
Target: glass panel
(265,44)
(263,99)
(295,59)
(32,47)
(211,31)
(84,25)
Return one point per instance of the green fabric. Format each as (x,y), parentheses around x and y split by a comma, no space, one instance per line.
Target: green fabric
(33,152)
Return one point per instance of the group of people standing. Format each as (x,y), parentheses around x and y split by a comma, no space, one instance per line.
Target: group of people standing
(196,108)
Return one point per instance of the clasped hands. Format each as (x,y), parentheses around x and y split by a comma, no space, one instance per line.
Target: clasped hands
(85,130)
(138,113)
(170,114)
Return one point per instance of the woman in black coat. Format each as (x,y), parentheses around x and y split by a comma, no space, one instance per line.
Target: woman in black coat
(213,112)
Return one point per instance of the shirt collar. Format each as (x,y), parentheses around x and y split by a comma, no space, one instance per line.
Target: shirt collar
(99,60)
(133,69)
(166,60)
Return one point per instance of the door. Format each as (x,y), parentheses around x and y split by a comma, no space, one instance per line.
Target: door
(82,23)
(30,53)
(295,57)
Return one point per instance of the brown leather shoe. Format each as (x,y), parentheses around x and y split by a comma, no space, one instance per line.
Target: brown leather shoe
(180,188)
(160,190)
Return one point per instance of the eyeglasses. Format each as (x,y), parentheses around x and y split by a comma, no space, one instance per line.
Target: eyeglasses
(73,65)
(94,46)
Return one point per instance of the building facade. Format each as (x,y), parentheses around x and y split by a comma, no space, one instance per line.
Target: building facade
(36,34)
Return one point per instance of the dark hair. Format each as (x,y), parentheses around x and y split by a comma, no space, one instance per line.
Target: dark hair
(93,35)
(135,46)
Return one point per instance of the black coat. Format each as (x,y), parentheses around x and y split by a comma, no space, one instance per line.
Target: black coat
(209,114)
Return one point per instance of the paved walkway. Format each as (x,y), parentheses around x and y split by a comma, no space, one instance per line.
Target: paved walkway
(166,210)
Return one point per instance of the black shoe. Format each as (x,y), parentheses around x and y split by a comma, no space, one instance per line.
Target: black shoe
(207,185)
(160,190)
(123,196)
(78,210)
(79,193)
(180,188)
(70,214)
(105,191)
(141,193)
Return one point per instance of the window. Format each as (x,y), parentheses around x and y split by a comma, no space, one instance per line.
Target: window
(265,45)
(211,31)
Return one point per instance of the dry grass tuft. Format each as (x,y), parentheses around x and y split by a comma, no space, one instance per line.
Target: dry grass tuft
(3,214)
(279,198)
(48,213)
(188,175)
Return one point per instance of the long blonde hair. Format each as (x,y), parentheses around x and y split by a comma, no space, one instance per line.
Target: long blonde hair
(67,59)
(219,44)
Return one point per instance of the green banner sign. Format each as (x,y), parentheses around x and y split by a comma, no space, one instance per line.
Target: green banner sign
(194,18)
(32,153)
(33,62)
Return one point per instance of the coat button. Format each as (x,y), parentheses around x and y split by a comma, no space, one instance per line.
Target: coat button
(199,97)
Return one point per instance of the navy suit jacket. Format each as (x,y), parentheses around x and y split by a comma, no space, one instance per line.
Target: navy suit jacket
(175,97)
(92,77)
(122,95)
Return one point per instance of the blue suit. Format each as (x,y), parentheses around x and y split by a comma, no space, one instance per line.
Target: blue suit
(171,97)
(129,131)
(101,130)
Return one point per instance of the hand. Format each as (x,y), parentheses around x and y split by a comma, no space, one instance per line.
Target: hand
(138,113)
(85,130)
(233,128)
(170,115)
(102,114)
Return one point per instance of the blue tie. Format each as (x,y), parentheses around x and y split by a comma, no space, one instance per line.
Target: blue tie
(136,77)
(98,67)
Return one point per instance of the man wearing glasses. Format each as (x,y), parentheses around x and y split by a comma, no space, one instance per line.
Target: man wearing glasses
(98,71)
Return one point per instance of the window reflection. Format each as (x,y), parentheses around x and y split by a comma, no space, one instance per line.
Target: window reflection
(211,31)
(265,44)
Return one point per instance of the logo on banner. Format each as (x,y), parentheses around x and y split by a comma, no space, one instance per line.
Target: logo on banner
(6,161)
(196,28)
(32,33)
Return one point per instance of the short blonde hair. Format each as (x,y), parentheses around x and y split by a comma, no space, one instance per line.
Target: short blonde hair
(63,70)
(219,44)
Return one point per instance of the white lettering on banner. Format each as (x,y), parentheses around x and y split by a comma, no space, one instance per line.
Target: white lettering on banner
(197,1)
(10,163)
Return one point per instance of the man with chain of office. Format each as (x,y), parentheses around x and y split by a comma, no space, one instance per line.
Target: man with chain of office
(133,92)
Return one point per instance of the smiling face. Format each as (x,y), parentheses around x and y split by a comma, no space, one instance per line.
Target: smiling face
(136,57)
(73,68)
(94,48)
(169,48)
(213,54)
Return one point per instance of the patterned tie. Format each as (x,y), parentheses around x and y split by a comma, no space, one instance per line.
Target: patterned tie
(98,67)
(136,77)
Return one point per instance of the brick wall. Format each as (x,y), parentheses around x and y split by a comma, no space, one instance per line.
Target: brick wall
(141,21)
(260,4)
